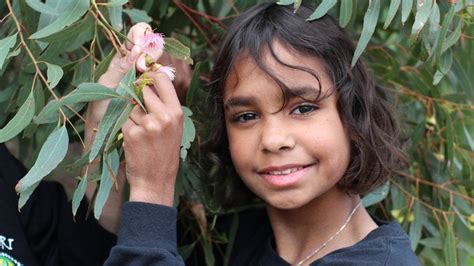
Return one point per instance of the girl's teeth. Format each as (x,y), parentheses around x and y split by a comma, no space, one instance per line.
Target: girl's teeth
(284,172)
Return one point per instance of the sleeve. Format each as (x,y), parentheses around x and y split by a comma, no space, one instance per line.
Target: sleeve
(147,236)
(53,235)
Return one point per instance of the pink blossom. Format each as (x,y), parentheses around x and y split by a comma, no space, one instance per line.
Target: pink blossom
(168,70)
(152,44)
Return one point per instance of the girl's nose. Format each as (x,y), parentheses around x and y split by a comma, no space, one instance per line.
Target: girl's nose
(276,137)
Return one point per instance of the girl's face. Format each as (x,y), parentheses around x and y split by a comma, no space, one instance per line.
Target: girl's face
(291,156)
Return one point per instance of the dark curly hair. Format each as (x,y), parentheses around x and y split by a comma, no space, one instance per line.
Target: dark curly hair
(364,107)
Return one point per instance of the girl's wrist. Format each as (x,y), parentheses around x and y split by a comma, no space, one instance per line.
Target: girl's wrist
(153,194)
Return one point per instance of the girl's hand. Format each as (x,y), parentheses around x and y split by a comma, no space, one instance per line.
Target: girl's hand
(152,141)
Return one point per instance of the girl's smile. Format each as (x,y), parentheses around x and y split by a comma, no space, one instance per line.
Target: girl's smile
(283,176)
(287,153)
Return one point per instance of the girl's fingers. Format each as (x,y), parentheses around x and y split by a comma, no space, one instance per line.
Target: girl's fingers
(165,89)
(136,32)
(137,115)
(153,103)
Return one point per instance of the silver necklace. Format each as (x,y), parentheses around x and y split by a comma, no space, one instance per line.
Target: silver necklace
(348,219)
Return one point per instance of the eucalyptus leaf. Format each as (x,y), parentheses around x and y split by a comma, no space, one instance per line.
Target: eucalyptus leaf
(423,11)
(370,21)
(407,6)
(5,45)
(87,92)
(115,15)
(73,13)
(55,73)
(178,50)
(137,15)
(392,11)
(116,3)
(345,13)
(113,112)
(415,226)
(189,132)
(21,119)
(79,194)
(51,154)
(449,247)
(322,9)
(42,7)
(376,196)
(285,2)
(110,164)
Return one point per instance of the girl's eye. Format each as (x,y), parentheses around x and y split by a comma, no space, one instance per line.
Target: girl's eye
(304,109)
(245,117)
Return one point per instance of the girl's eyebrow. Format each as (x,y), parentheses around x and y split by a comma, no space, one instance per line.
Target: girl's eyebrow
(304,92)
(236,101)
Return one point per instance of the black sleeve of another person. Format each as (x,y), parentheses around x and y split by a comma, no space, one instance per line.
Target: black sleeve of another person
(45,231)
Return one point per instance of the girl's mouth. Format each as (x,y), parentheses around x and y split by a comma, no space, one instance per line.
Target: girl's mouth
(284,176)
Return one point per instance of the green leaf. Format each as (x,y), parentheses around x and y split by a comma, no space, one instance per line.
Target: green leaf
(42,7)
(115,15)
(89,91)
(370,21)
(376,196)
(345,13)
(50,113)
(110,164)
(5,45)
(415,226)
(438,76)
(189,132)
(124,86)
(322,9)
(116,2)
(468,138)
(392,11)
(73,13)
(21,119)
(51,154)
(449,247)
(55,73)
(79,194)
(195,82)
(285,2)
(137,15)
(297,4)
(24,196)
(453,38)
(448,18)
(114,111)
(71,32)
(178,50)
(407,5)
(118,125)
(446,62)
(423,11)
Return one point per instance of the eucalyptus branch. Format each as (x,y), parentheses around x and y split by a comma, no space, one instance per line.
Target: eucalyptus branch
(30,54)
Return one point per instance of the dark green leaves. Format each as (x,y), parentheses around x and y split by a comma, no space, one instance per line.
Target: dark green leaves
(345,13)
(51,154)
(176,49)
(5,45)
(392,11)
(189,132)
(110,164)
(322,9)
(21,119)
(370,21)
(73,13)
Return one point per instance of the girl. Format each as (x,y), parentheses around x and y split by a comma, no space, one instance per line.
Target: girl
(304,131)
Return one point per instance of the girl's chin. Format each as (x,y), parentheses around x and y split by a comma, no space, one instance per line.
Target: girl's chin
(286,203)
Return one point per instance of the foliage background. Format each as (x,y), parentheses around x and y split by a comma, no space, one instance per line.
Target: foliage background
(421,50)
